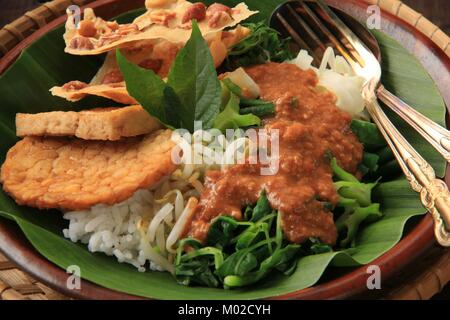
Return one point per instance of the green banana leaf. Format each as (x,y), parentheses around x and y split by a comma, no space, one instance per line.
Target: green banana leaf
(24,88)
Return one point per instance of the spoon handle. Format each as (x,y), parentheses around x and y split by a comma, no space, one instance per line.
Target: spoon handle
(436,135)
(434,193)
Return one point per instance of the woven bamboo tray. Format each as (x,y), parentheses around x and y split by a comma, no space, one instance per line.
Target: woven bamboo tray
(428,276)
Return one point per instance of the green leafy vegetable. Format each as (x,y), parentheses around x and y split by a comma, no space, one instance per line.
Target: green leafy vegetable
(261,110)
(350,221)
(385,155)
(195,267)
(368,134)
(278,259)
(192,93)
(222,230)
(318,247)
(340,173)
(249,250)
(369,163)
(262,45)
(389,169)
(239,264)
(262,208)
(238,111)
(355,198)
(232,87)
(358,191)
(247,103)
(255,232)
(230,118)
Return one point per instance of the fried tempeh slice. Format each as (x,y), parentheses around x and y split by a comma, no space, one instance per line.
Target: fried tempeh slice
(75,174)
(95,124)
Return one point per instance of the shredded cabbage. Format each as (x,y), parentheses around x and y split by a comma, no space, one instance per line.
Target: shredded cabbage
(337,76)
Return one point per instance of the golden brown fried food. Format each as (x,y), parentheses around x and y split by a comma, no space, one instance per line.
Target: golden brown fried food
(75,174)
(94,124)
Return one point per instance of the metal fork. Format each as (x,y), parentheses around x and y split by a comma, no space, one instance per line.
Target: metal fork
(317,20)
(435,134)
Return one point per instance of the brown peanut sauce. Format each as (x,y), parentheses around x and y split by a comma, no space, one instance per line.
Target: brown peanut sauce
(310,125)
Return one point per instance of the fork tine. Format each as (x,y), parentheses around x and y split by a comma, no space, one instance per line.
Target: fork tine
(296,37)
(349,54)
(357,47)
(318,43)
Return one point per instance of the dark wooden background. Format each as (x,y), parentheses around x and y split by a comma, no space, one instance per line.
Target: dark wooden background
(438,11)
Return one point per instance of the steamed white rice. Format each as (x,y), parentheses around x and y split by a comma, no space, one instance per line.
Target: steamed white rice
(126,231)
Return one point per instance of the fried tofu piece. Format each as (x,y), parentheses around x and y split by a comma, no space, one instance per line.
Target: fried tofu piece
(74,174)
(96,124)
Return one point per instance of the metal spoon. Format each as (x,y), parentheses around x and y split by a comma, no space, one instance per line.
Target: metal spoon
(321,28)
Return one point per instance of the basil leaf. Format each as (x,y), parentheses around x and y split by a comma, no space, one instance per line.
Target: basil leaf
(147,88)
(194,79)
(193,92)
(172,105)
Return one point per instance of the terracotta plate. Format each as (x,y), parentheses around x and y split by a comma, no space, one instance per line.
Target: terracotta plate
(17,248)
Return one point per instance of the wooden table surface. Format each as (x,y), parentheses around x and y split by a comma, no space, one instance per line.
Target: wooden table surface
(437,11)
